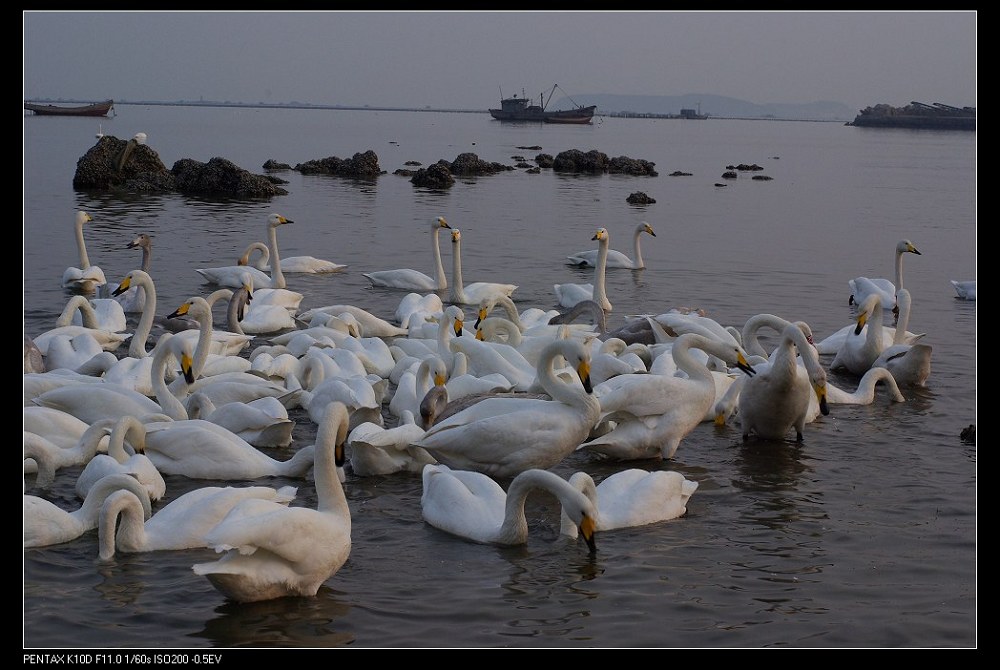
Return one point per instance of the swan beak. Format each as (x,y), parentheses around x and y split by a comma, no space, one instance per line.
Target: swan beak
(862,320)
(123,286)
(587,529)
(742,364)
(439,380)
(482,315)
(479,334)
(720,419)
(443,223)
(824,409)
(241,261)
(913,250)
(187,368)
(584,371)
(180,311)
(458,327)
(282,219)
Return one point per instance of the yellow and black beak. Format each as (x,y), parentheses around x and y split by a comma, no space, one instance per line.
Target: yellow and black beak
(180,311)
(862,320)
(443,223)
(482,315)
(583,369)
(458,327)
(187,368)
(820,391)
(124,286)
(742,364)
(588,527)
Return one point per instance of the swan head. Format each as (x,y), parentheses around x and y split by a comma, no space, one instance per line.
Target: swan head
(646,228)
(141,241)
(275,220)
(601,235)
(83,217)
(906,247)
(870,304)
(456,235)
(432,404)
(126,283)
(440,222)
(456,316)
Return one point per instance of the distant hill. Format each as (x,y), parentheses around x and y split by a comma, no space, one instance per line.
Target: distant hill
(712,105)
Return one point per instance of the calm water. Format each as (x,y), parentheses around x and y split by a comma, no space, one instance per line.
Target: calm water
(864,535)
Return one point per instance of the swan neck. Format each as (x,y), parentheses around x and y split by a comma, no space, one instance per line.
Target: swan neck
(903,322)
(442,278)
(637,261)
(137,347)
(600,292)
(129,531)
(458,286)
(81,246)
(681,352)
(514,529)
(277,278)
(169,403)
(147,256)
(329,439)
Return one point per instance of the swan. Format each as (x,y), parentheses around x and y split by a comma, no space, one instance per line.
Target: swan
(180,524)
(262,422)
(778,398)
(589,308)
(45,523)
(965,290)
(570,294)
(134,298)
(633,497)
(295,264)
(93,402)
(415,280)
(433,404)
(862,287)
(488,358)
(371,325)
(62,429)
(258,318)
(414,309)
(462,383)
(34,361)
(505,436)
(910,364)
(654,412)
(75,352)
(273,550)
(98,313)
(120,461)
(616,259)
(80,453)
(206,339)
(611,361)
(859,352)
(377,450)
(87,277)
(231,275)
(413,386)
(476,292)
(473,506)
(141,279)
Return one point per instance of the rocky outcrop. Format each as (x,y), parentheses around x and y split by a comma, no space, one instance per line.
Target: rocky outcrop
(436,176)
(272,164)
(639,198)
(471,165)
(597,162)
(360,166)
(544,160)
(221,176)
(134,167)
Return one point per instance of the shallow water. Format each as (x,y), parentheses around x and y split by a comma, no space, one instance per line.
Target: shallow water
(864,535)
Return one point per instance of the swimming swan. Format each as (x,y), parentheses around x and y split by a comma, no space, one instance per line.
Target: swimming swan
(862,287)
(473,506)
(377,450)
(616,259)
(569,295)
(181,524)
(777,398)
(503,436)
(120,461)
(633,497)
(414,280)
(910,364)
(87,277)
(45,523)
(295,264)
(654,412)
(134,298)
(231,275)
(964,290)
(859,351)
(273,550)
(476,292)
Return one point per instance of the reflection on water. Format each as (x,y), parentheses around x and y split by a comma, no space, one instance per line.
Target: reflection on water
(283,622)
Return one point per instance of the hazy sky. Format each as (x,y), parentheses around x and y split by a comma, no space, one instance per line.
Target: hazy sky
(465,59)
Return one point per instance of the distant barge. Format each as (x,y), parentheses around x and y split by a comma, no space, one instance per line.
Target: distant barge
(917,115)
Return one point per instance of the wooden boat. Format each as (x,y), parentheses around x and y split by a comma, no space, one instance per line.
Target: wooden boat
(517,108)
(95,109)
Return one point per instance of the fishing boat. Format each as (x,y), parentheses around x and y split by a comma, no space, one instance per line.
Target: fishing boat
(94,109)
(522,108)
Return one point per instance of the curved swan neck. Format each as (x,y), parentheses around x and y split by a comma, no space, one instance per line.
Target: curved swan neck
(749,333)
(129,532)
(514,529)
(904,302)
(685,361)
(567,393)
(127,427)
(137,347)
(263,257)
(329,456)
(169,403)
(88,316)
(637,262)
(89,512)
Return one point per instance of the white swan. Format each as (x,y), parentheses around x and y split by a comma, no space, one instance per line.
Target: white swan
(414,309)
(262,422)
(206,339)
(414,280)
(964,290)
(134,298)
(414,385)
(777,398)
(633,497)
(99,313)
(273,550)
(616,259)
(120,461)
(476,292)
(473,506)
(489,358)
(255,317)
(862,287)
(860,350)
(570,294)
(182,523)
(86,277)
(295,264)
(910,364)
(80,453)
(505,436)
(231,275)
(371,325)
(377,450)
(45,523)
(654,412)
(141,279)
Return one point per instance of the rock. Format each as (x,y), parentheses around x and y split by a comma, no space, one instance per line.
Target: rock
(544,160)
(639,198)
(731,174)
(360,166)
(220,176)
(115,164)
(632,166)
(470,165)
(272,164)
(678,173)
(436,176)
(968,434)
(574,160)
(761,177)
